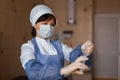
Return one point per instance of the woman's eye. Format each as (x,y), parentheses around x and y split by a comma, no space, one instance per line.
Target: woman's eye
(52,24)
(45,23)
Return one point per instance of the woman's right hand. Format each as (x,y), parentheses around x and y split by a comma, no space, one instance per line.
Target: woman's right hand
(75,67)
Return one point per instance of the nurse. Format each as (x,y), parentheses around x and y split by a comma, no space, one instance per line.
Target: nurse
(42,58)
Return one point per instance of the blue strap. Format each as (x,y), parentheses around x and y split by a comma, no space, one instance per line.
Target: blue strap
(58,46)
(37,50)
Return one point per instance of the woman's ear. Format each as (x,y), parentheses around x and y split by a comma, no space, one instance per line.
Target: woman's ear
(37,26)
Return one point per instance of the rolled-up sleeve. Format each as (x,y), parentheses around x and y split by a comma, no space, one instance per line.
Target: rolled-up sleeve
(71,54)
(27,53)
(66,51)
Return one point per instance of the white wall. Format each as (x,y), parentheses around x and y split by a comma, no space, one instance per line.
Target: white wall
(119,54)
(106,39)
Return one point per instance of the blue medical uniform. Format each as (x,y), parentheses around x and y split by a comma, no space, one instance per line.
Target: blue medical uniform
(47,67)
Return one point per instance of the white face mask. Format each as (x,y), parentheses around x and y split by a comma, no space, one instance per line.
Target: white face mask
(46,31)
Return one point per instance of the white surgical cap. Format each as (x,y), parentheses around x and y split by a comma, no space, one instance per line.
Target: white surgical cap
(37,12)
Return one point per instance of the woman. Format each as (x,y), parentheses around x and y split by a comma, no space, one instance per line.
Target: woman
(42,58)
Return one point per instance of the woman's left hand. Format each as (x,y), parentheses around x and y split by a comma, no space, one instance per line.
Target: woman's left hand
(87,47)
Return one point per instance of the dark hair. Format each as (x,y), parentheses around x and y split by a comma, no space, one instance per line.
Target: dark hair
(43,18)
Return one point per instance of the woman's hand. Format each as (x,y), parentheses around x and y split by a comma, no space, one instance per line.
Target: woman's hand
(75,67)
(87,47)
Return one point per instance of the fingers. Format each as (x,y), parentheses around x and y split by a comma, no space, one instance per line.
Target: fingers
(81,58)
(87,47)
(79,64)
(90,47)
(77,72)
(72,67)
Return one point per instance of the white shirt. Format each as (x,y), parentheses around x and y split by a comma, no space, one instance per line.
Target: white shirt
(46,48)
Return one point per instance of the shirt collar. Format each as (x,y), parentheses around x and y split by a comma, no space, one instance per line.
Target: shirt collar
(43,40)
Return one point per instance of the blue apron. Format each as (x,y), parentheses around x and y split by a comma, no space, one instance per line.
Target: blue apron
(45,67)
